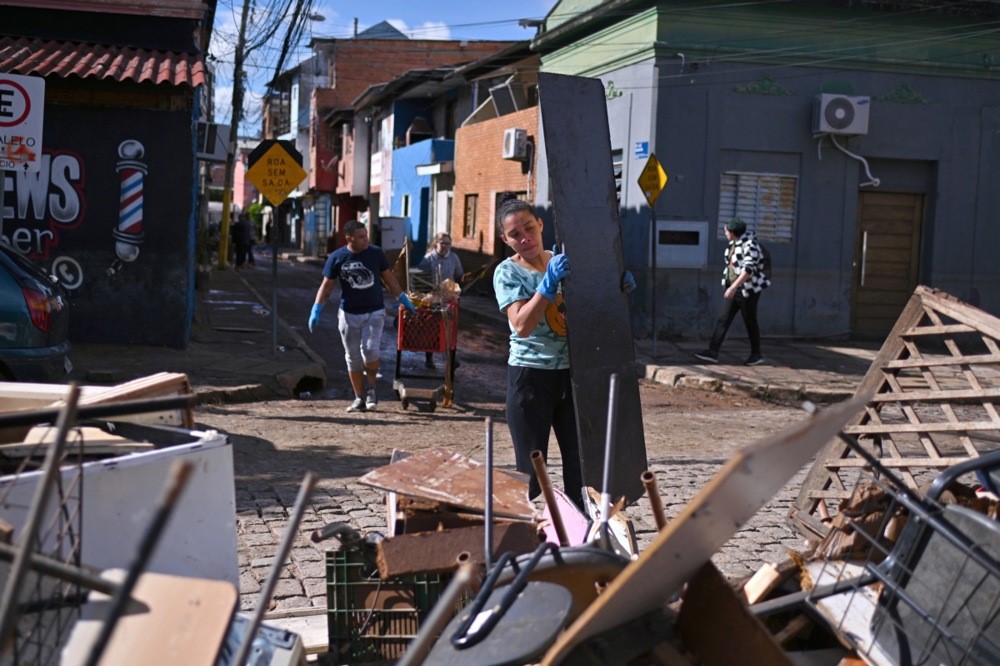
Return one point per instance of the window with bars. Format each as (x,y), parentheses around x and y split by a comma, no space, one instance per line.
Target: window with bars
(765,201)
(471,204)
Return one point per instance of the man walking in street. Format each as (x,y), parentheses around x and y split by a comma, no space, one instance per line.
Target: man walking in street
(744,280)
(360,267)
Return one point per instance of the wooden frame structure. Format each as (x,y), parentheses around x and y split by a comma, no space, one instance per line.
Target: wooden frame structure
(936,384)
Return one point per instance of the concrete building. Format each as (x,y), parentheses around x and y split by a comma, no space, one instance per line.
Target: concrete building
(859,139)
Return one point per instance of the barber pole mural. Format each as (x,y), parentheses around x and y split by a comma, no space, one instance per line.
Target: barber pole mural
(83,217)
(129,235)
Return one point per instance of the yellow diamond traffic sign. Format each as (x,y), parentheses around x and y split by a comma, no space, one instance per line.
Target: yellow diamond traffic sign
(275,167)
(652,179)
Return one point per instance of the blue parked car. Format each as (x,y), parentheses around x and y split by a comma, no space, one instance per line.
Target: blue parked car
(34,321)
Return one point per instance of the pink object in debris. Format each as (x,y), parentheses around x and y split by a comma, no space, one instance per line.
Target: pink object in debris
(574,522)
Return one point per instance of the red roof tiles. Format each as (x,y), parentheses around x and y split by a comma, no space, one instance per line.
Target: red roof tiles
(41,57)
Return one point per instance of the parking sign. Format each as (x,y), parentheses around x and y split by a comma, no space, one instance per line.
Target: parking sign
(22,103)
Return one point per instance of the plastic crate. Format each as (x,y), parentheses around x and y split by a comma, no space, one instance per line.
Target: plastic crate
(428,329)
(373,620)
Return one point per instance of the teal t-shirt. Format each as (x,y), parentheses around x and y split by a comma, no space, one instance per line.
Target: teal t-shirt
(546,347)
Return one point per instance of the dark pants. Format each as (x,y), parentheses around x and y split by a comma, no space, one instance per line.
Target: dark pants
(539,401)
(747,306)
(242,250)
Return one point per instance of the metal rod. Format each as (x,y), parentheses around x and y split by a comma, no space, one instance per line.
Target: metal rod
(542,474)
(48,566)
(36,513)
(440,615)
(124,408)
(305,492)
(789,601)
(608,450)
(180,472)
(488,545)
(649,482)
(274,281)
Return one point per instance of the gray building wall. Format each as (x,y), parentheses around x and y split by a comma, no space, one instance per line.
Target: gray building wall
(946,146)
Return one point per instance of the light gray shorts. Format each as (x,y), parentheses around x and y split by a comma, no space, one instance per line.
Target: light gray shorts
(361,335)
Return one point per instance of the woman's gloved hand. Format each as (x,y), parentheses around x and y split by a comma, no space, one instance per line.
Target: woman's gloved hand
(556,270)
(628,282)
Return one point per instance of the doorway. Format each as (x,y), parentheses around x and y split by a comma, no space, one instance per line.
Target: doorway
(886,260)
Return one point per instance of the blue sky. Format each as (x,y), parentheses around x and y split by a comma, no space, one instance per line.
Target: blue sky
(420,19)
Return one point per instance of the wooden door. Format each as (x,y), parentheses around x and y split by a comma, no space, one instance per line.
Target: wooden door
(886,260)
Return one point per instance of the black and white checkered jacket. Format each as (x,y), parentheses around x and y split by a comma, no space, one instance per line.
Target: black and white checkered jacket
(744,253)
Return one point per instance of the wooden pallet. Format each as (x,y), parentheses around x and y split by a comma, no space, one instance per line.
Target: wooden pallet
(936,382)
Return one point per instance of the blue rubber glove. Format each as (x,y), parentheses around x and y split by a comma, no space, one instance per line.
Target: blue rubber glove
(557,269)
(405,301)
(314,316)
(628,282)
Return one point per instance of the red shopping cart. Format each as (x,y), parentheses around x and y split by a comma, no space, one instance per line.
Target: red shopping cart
(430,329)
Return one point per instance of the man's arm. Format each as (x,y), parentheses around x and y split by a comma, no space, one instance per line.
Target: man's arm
(324,291)
(391,283)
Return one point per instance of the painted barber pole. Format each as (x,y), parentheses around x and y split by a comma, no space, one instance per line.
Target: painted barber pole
(128,234)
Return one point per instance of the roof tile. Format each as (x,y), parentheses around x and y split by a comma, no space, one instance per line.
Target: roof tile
(41,57)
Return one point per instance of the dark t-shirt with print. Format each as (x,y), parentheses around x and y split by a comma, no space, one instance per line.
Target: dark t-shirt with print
(360,278)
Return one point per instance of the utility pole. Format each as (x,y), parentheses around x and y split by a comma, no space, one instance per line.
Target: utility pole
(237,116)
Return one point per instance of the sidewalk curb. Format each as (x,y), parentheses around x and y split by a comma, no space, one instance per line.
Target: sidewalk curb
(682,377)
(299,340)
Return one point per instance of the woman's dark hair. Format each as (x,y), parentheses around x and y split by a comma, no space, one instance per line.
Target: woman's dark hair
(508,203)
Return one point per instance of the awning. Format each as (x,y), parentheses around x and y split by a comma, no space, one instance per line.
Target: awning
(49,58)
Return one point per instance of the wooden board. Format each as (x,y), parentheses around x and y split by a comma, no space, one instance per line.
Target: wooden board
(451,478)
(437,552)
(585,210)
(86,439)
(934,386)
(744,484)
(715,624)
(172,620)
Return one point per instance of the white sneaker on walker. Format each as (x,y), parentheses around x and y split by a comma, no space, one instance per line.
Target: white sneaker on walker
(371,400)
(357,406)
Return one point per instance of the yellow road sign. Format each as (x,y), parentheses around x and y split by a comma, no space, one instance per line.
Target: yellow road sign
(275,167)
(652,179)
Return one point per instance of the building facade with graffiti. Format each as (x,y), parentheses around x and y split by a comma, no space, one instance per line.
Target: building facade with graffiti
(112,210)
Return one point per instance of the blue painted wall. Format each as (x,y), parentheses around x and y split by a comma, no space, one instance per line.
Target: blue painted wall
(405,181)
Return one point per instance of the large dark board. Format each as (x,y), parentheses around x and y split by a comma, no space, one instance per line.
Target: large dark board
(585,212)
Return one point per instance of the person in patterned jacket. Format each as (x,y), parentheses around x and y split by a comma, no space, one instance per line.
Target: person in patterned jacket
(744,280)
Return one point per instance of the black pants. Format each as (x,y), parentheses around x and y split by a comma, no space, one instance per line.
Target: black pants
(747,306)
(539,401)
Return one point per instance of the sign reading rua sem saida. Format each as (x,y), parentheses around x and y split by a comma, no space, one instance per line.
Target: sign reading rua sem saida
(275,167)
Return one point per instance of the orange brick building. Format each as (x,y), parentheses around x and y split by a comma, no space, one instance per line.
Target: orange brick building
(481,175)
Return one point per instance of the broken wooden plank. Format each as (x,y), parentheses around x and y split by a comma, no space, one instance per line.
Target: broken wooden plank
(766,580)
(442,476)
(177,620)
(744,484)
(88,440)
(437,552)
(715,624)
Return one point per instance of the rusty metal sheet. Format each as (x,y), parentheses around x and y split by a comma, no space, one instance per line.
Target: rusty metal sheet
(437,552)
(585,211)
(442,476)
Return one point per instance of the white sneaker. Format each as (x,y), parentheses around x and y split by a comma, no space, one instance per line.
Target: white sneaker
(357,406)
(371,400)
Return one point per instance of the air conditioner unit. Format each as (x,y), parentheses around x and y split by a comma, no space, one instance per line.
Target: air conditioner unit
(840,114)
(515,144)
